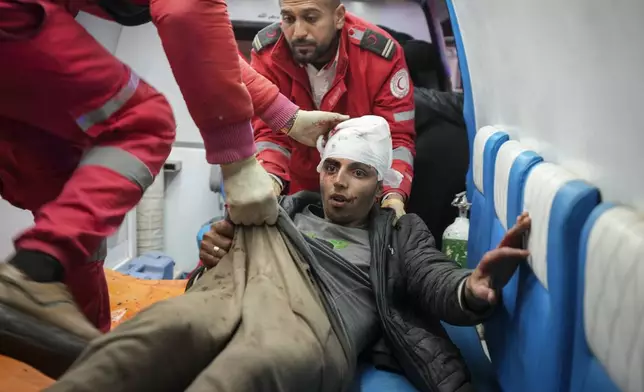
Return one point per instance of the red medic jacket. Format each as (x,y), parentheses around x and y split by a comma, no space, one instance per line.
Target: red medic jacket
(80,140)
(371,78)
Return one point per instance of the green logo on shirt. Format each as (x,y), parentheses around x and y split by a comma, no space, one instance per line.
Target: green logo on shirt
(337,244)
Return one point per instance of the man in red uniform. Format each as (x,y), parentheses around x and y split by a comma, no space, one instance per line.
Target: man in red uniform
(323,57)
(82,137)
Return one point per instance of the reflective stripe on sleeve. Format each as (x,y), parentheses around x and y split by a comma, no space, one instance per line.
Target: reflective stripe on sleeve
(261,146)
(404,116)
(97,116)
(120,161)
(403,154)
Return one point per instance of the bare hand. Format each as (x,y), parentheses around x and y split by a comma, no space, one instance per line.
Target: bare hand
(216,243)
(310,125)
(498,265)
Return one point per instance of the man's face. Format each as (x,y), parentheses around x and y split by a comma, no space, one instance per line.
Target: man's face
(349,190)
(310,28)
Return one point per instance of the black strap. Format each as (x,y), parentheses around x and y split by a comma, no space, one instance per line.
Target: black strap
(196,274)
(126,13)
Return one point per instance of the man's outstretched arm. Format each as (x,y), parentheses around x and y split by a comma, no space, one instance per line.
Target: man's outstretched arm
(438,286)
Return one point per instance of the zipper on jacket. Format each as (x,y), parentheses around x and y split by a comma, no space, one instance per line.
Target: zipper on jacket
(382,279)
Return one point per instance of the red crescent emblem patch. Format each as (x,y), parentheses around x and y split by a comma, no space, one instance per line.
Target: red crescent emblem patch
(399,84)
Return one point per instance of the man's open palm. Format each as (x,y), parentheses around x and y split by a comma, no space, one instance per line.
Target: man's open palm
(497,266)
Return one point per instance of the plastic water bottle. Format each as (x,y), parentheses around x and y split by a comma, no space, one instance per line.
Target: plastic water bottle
(456,235)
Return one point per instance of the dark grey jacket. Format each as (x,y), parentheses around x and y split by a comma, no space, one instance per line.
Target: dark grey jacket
(415,287)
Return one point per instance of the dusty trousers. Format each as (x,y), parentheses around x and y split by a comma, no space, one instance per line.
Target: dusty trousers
(256,322)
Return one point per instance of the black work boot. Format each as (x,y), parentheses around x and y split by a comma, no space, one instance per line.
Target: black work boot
(40,324)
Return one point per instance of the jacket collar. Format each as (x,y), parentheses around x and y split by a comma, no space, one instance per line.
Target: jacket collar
(294,204)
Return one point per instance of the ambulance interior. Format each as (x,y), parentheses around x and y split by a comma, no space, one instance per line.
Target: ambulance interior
(552,103)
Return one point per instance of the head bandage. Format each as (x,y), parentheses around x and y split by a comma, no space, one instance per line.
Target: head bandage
(366,140)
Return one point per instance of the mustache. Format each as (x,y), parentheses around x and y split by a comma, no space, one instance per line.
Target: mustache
(302,42)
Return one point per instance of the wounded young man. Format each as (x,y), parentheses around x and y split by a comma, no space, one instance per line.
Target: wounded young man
(291,307)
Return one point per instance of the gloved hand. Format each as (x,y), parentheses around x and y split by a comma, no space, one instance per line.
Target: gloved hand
(249,193)
(277,187)
(396,203)
(309,125)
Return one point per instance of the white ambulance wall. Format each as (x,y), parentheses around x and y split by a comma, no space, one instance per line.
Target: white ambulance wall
(12,222)
(566,78)
(105,32)
(189,201)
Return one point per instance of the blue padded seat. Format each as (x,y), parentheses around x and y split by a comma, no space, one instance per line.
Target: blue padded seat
(487,142)
(513,163)
(468,342)
(511,168)
(608,353)
(370,379)
(531,343)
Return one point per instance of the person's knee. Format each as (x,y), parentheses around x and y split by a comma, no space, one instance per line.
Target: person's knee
(292,360)
(174,321)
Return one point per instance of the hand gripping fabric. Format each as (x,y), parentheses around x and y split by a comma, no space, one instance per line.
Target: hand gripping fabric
(256,321)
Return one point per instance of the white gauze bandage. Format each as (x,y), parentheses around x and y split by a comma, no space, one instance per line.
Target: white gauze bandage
(367,140)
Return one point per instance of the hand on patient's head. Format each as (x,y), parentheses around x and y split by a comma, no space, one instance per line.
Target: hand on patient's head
(310,125)
(216,243)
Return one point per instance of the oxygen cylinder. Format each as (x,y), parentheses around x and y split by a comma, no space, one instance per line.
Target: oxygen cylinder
(456,234)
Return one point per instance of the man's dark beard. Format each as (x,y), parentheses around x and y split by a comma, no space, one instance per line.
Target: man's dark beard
(321,55)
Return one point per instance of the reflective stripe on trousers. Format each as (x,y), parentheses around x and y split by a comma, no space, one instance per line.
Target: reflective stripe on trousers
(120,161)
(113,105)
(123,163)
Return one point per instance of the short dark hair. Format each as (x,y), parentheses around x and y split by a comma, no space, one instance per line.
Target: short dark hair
(333,4)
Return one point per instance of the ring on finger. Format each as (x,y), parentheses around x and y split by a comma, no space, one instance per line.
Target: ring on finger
(216,249)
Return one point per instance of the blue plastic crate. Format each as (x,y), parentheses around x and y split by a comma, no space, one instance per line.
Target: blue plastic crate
(150,266)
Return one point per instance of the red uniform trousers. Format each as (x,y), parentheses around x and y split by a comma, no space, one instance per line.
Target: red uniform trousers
(81,138)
